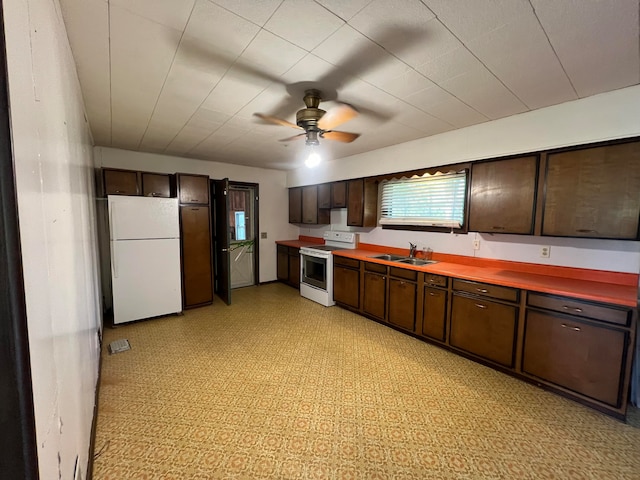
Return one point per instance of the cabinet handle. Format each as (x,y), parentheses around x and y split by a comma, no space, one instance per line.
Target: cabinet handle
(434,294)
(575,309)
(155,194)
(496,227)
(119,191)
(482,290)
(479,305)
(575,329)
(586,230)
(195,200)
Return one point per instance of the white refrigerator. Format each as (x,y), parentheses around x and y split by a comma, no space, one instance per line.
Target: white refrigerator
(145,257)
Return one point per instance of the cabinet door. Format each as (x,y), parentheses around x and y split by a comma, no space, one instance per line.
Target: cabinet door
(484,328)
(324,195)
(593,192)
(346,286)
(375,293)
(577,355)
(402,303)
(120,182)
(295,205)
(193,189)
(282,271)
(339,195)
(196,256)
(156,185)
(503,195)
(310,204)
(294,269)
(434,313)
(355,207)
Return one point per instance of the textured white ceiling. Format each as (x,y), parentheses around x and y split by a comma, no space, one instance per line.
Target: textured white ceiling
(184,77)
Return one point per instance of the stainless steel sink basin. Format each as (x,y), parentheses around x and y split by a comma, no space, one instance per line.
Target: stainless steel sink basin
(389,257)
(416,261)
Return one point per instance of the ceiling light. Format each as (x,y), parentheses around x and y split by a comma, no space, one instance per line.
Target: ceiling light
(313,159)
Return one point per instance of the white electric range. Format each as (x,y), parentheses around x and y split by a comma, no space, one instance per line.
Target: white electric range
(316,266)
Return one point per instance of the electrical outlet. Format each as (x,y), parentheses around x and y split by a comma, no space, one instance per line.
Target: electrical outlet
(545,252)
(263,234)
(476,244)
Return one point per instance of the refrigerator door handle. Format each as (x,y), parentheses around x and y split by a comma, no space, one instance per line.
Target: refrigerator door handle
(112,223)
(114,260)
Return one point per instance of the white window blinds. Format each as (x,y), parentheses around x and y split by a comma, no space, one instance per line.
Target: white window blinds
(431,200)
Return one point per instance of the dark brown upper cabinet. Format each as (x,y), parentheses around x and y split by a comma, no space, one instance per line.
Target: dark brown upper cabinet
(593,192)
(295,205)
(324,195)
(193,189)
(362,204)
(156,185)
(121,182)
(339,195)
(503,195)
(311,212)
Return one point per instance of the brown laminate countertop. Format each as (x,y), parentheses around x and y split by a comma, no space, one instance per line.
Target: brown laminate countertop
(619,291)
(302,241)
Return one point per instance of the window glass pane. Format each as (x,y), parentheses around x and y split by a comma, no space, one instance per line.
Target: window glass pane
(241,229)
(433,200)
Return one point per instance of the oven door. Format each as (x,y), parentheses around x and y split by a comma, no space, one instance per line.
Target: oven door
(313,271)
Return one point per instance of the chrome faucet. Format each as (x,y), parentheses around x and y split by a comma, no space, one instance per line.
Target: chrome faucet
(412,250)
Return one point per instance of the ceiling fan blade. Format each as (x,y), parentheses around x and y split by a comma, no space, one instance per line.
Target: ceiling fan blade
(337,116)
(301,135)
(277,121)
(345,137)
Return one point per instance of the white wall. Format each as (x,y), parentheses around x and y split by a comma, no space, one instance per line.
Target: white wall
(273,202)
(601,117)
(54,178)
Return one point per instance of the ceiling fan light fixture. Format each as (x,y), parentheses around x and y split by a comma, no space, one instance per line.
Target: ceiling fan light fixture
(312,138)
(314,159)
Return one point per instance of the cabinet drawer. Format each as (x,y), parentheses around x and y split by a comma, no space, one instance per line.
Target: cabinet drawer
(485,289)
(577,355)
(375,267)
(436,280)
(347,262)
(606,313)
(403,273)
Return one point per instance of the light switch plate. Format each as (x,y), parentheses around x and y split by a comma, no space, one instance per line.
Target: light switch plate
(263,234)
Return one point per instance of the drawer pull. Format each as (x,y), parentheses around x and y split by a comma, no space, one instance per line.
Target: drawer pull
(586,230)
(575,329)
(434,294)
(575,309)
(119,191)
(495,227)
(482,290)
(479,305)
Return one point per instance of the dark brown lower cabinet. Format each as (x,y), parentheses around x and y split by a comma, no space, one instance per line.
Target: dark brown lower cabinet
(288,265)
(374,295)
(581,356)
(484,328)
(402,303)
(294,267)
(346,282)
(434,313)
(197,278)
(282,269)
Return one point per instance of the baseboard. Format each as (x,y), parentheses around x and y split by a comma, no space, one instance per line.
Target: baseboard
(94,421)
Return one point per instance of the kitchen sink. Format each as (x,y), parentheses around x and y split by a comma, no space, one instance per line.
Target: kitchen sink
(389,257)
(416,261)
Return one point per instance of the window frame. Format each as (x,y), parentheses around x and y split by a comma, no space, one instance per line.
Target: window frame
(430,228)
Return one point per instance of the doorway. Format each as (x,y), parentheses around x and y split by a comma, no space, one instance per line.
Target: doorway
(235,242)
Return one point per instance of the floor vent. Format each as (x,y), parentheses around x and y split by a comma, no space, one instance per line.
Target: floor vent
(118,346)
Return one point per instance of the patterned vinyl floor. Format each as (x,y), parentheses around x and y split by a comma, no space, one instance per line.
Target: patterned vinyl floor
(276,386)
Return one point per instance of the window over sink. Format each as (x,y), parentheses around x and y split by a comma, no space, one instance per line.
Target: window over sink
(437,201)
